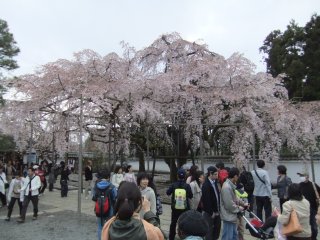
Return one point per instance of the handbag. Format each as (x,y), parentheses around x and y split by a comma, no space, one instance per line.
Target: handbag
(293,227)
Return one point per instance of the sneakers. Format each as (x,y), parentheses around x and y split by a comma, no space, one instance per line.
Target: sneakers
(7,219)
(20,220)
(34,218)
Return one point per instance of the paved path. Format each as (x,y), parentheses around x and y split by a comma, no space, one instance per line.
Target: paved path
(52,204)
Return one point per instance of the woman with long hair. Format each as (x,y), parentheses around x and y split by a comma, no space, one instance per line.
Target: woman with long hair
(127,224)
(196,186)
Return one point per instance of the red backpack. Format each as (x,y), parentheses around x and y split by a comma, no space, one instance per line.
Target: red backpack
(222,175)
(102,205)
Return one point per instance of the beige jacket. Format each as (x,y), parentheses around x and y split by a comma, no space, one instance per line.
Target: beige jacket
(303,211)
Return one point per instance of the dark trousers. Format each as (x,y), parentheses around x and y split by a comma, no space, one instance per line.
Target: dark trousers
(313,223)
(298,238)
(263,203)
(214,226)
(27,199)
(11,205)
(281,202)
(175,214)
(44,186)
(3,199)
(50,187)
(251,201)
(64,188)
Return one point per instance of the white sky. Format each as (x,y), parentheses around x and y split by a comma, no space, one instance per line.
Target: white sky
(46,30)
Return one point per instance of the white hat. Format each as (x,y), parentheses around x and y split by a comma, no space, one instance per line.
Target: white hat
(35,166)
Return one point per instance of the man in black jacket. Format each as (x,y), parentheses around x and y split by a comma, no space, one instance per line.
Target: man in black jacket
(311,192)
(181,193)
(211,203)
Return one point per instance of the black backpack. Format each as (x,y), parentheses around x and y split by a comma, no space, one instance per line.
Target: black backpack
(247,180)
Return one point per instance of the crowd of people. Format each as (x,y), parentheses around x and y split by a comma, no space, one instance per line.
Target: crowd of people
(208,205)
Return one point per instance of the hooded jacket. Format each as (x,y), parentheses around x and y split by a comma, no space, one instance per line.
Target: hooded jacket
(134,228)
(102,186)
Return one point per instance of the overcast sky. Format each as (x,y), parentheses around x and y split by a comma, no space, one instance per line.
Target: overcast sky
(46,30)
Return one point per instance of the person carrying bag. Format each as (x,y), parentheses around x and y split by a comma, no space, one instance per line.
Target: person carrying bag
(295,216)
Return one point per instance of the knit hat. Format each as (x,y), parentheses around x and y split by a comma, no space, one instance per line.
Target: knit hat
(212,169)
(192,223)
(181,173)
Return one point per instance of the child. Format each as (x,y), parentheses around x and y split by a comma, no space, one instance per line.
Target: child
(243,196)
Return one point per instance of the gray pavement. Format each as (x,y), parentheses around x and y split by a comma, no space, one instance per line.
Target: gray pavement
(58,219)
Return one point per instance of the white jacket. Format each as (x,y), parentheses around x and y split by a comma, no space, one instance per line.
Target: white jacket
(35,185)
(2,189)
(13,182)
(117,178)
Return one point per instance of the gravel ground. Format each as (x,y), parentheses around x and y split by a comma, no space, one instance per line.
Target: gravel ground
(64,225)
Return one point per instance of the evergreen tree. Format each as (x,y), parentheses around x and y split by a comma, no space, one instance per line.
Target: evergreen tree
(8,48)
(296,52)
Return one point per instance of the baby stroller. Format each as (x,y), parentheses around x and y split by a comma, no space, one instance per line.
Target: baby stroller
(259,229)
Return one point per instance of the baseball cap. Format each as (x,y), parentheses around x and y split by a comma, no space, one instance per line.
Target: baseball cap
(181,173)
(35,167)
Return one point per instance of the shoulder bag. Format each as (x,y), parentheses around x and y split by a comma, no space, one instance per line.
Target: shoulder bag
(293,227)
(259,177)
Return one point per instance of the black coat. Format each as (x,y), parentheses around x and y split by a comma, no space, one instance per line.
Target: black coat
(209,200)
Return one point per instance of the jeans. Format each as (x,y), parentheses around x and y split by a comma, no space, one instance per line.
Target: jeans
(263,203)
(229,231)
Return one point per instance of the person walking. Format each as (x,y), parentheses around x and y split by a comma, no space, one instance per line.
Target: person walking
(3,186)
(88,178)
(283,182)
(180,192)
(211,203)
(9,170)
(311,192)
(15,194)
(231,206)
(42,172)
(52,178)
(65,172)
(30,190)
(262,190)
